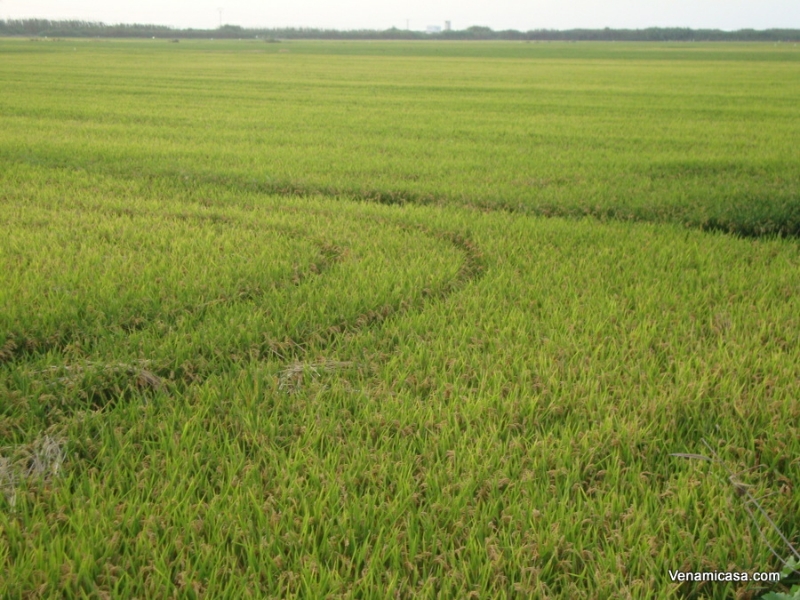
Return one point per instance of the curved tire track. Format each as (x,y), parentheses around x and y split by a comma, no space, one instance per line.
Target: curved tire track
(104,384)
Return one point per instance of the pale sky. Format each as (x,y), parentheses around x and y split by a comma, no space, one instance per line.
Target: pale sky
(382,14)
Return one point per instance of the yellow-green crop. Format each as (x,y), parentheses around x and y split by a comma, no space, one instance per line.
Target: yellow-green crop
(396,320)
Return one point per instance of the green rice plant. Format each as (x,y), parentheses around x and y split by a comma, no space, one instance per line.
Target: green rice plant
(414,320)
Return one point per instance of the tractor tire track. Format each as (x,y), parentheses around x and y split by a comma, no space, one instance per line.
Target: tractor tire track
(105,384)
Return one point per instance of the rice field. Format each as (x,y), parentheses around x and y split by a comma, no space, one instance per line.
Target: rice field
(339,319)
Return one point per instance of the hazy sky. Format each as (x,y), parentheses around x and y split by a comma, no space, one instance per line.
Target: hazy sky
(382,14)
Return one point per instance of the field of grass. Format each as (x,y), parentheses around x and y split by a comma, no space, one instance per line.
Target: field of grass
(396,319)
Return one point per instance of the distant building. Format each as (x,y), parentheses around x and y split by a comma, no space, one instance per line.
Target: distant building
(433,29)
(447,26)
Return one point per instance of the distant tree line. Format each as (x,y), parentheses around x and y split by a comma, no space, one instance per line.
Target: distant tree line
(47,28)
